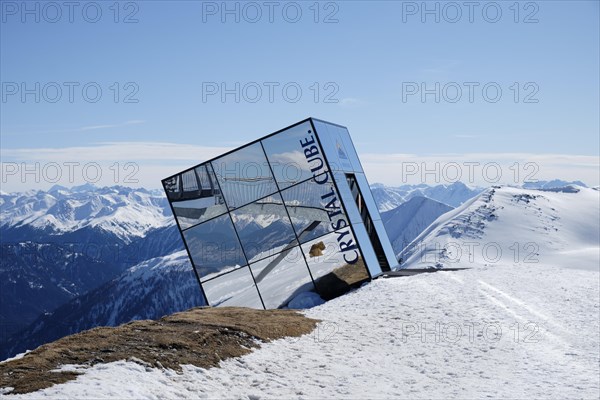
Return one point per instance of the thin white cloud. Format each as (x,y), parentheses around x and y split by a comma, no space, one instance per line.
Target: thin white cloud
(81,128)
(115,151)
(110,126)
(351,102)
(442,67)
(94,127)
(138,164)
(482,169)
(156,160)
(464,136)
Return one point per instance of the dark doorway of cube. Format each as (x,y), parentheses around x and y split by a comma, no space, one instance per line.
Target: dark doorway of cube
(368,221)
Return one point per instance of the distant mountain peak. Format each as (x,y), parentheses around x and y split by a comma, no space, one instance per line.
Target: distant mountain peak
(552,184)
(118,210)
(56,188)
(86,187)
(454,194)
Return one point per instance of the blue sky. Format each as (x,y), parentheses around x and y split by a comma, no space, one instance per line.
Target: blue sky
(367,61)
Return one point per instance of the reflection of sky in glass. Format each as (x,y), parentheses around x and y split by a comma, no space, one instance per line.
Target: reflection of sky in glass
(244,176)
(286,155)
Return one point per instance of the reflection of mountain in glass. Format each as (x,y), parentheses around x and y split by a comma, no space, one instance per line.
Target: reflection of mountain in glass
(214,246)
(340,150)
(263,226)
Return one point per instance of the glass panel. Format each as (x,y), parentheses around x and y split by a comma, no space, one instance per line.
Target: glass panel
(338,147)
(332,147)
(344,141)
(235,289)
(214,247)
(264,228)
(195,196)
(315,207)
(294,155)
(335,263)
(281,277)
(244,176)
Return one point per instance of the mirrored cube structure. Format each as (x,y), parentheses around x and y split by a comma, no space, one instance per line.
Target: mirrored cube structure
(288,213)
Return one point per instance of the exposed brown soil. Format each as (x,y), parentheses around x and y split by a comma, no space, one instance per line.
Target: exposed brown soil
(200,336)
(341,280)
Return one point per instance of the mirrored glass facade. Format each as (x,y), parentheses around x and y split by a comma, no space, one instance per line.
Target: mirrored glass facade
(289,213)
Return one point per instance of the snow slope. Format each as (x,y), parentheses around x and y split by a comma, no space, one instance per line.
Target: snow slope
(408,220)
(510,225)
(509,329)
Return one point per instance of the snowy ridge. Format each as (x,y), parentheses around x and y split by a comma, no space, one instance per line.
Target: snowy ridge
(503,224)
(124,212)
(387,198)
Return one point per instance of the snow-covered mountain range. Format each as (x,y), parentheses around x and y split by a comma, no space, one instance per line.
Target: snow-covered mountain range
(520,322)
(453,195)
(61,244)
(71,258)
(117,211)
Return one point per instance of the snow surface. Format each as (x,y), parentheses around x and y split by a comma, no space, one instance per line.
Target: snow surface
(511,225)
(505,329)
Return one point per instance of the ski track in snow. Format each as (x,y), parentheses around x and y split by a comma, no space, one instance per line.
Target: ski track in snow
(362,350)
